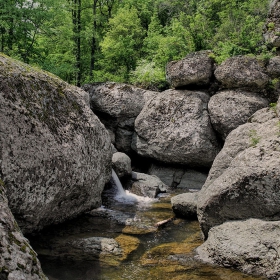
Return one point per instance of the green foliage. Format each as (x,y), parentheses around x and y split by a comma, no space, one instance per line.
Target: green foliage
(122,43)
(148,75)
(129,39)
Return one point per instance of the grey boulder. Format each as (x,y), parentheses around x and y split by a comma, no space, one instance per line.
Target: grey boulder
(174,127)
(251,246)
(242,72)
(244,179)
(121,164)
(55,155)
(147,185)
(195,69)
(176,177)
(230,108)
(185,205)
(17,260)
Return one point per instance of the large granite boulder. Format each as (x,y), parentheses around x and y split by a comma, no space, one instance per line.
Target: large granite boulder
(272,27)
(195,69)
(174,127)
(244,179)
(117,105)
(251,246)
(17,259)
(242,72)
(55,155)
(230,108)
(176,177)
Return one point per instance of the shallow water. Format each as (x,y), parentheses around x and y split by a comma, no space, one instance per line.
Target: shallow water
(165,252)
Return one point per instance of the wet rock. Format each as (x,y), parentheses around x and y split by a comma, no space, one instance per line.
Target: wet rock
(251,246)
(185,205)
(230,108)
(174,127)
(121,164)
(55,155)
(17,260)
(179,177)
(147,185)
(195,69)
(272,27)
(243,181)
(242,72)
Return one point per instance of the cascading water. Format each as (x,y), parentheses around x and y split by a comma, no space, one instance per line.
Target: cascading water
(124,195)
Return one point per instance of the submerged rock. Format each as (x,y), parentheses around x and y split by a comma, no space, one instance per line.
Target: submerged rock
(230,108)
(244,179)
(174,127)
(17,260)
(251,246)
(55,155)
(195,69)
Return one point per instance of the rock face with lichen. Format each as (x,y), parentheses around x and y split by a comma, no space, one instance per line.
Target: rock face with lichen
(244,179)
(195,69)
(117,105)
(174,127)
(55,155)
(17,259)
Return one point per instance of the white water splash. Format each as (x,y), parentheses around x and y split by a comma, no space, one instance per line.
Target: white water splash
(127,197)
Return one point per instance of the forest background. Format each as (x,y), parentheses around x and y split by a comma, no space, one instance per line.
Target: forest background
(85,41)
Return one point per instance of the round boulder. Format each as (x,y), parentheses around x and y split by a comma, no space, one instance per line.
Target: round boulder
(230,108)
(121,164)
(174,127)
(251,246)
(241,72)
(195,69)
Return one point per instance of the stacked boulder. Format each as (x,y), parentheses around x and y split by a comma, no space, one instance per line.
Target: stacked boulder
(243,182)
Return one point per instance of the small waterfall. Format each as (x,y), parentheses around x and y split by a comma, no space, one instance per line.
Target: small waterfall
(126,196)
(118,184)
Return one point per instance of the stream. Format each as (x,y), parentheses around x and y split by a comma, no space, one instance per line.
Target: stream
(86,249)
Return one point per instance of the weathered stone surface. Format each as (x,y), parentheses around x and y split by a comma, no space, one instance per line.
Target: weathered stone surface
(195,69)
(273,67)
(230,108)
(251,246)
(272,27)
(116,100)
(17,259)
(178,177)
(121,164)
(117,105)
(147,185)
(174,127)
(244,179)
(55,155)
(241,72)
(185,205)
